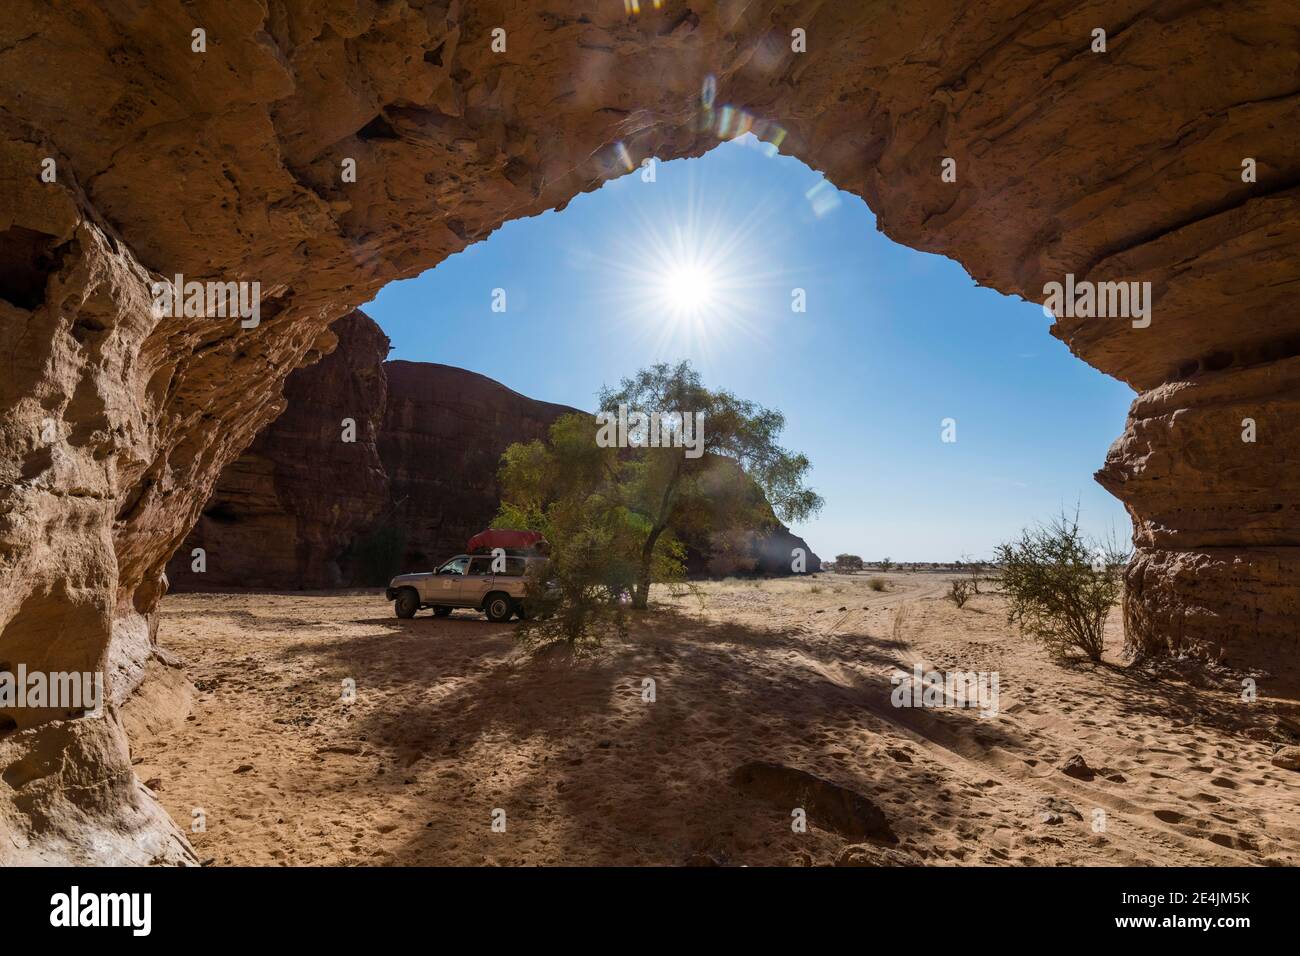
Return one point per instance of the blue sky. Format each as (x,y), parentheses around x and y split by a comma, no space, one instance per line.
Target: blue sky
(702,263)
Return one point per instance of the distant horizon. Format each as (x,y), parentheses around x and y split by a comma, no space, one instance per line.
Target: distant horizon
(704,262)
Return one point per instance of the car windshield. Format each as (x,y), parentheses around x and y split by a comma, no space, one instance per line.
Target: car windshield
(454,566)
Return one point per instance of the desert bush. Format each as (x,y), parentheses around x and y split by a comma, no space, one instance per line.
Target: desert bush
(974,572)
(1061,585)
(886,564)
(959,592)
(845,563)
(580,596)
(876,584)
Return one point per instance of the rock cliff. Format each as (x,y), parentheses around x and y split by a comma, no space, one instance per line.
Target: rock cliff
(284,513)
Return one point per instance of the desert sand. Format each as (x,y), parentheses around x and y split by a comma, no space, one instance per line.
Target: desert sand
(452,721)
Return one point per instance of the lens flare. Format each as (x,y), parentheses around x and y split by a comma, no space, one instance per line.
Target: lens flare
(688,290)
(693,277)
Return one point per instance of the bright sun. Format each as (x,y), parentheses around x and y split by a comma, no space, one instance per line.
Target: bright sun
(690,272)
(688,291)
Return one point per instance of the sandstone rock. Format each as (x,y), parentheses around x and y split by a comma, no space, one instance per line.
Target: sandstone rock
(1053,810)
(284,513)
(1075,766)
(443,435)
(226,165)
(872,854)
(71,797)
(1288,758)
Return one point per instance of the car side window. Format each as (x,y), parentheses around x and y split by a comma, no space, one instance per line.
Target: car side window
(480,566)
(455,566)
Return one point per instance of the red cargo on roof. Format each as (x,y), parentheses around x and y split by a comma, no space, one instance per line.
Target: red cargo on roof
(509,540)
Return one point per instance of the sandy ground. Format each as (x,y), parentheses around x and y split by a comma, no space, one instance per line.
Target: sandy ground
(452,722)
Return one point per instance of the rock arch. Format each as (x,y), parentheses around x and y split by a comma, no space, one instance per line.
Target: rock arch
(225,165)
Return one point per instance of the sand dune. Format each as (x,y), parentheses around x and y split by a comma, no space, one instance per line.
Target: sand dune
(766,693)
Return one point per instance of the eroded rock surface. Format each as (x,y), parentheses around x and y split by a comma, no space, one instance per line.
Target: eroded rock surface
(285,512)
(226,165)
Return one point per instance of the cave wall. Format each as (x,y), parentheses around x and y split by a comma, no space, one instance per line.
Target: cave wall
(226,165)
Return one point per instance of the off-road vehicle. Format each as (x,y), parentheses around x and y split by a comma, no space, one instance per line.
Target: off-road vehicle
(467,580)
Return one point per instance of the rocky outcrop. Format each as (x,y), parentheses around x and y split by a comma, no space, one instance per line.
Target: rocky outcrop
(325,149)
(304,509)
(286,512)
(444,432)
(1207,467)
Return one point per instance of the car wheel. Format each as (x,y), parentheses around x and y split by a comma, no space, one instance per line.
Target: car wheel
(498,608)
(441,610)
(407,603)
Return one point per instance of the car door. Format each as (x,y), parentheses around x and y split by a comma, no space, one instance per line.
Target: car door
(447,582)
(476,582)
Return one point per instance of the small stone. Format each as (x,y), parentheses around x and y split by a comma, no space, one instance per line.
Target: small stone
(244,768)
(1288,758)
(1076,767)
(1050,807)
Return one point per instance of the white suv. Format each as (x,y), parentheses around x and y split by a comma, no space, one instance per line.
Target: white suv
(466,581)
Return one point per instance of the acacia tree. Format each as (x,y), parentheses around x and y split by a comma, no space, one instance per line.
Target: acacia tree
(565,489)
(672,492)
(737,475)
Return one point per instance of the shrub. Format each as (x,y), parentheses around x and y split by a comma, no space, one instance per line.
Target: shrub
(876,584)
(581,594)
(844,563)
(1061,586)
(974,572)
(959,592)
(886,564)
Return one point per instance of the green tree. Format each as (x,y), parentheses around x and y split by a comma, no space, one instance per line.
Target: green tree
(566,488)
(674,493)
(647,500)
(848,562)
